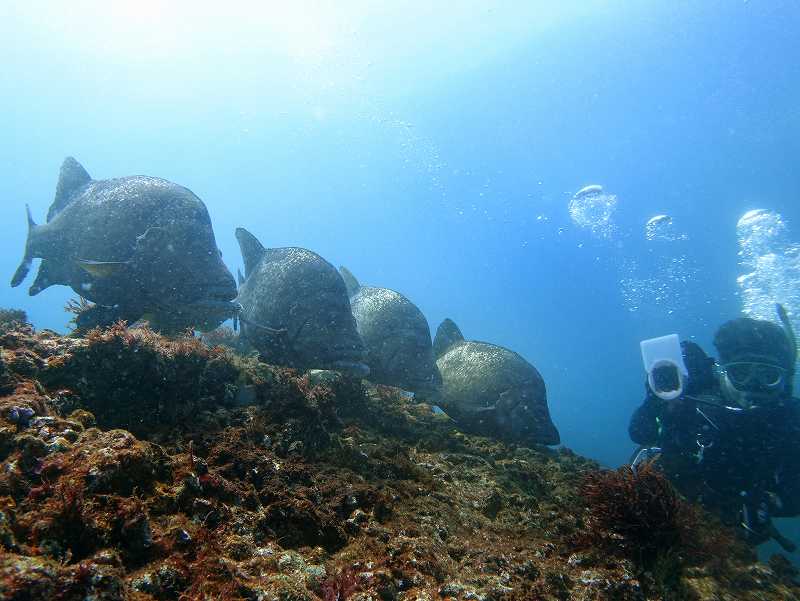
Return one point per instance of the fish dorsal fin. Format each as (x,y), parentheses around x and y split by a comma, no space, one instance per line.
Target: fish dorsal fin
(252,250)
(447,334)
(71,177)
(787,327)
(350,281)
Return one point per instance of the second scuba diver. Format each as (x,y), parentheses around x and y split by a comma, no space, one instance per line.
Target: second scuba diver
(729,437)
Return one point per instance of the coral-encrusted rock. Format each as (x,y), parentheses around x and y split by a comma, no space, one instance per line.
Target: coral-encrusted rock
(137,380)
(111,462)
(32,578)
(6,380)
(13,319)
(86,497)
(27,426)
(299,523)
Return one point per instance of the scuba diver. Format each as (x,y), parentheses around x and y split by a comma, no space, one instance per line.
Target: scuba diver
(728,435)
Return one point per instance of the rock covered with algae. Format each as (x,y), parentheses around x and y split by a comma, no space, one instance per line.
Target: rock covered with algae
(133,466)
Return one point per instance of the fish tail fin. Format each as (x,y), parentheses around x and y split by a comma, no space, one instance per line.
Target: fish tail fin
(25,265)
(447,334)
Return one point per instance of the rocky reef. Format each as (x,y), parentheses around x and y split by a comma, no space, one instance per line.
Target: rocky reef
(138,467)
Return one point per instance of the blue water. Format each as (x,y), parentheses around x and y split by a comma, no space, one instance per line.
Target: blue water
(435,151)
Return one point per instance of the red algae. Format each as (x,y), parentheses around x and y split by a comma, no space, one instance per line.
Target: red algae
(135,466)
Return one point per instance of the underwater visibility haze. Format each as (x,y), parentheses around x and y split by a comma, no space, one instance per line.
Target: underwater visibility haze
(561,179)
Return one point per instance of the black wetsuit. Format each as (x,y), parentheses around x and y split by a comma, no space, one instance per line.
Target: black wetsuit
(728,459)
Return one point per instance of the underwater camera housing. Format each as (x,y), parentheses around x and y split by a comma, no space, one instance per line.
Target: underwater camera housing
(666,370)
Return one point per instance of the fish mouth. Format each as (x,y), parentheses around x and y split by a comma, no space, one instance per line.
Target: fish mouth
(349,359)
(220,293)
(430,384)
(227,307)
(348,353)
(352,368)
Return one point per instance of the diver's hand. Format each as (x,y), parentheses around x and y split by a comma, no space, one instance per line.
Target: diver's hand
(774,502)
(758,525)
(674,405)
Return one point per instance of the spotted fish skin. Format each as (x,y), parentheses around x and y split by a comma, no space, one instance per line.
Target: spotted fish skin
(295,309)
(493,387)
(134,245)
(397,337)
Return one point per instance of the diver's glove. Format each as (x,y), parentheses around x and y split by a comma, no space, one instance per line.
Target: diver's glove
(775,505)
(757,521)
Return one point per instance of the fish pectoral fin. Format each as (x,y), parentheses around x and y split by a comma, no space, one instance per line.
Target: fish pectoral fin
(508,400)
(101,269)
(264,329)
(151,244)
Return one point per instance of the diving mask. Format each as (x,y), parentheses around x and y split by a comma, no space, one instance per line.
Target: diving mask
(746,375)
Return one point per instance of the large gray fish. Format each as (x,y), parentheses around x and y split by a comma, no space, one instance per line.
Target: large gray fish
(295,309)
(492,388)
(137,246)
(396,335)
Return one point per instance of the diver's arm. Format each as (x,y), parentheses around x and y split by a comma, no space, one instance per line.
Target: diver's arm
(784,485)
(786,490)
(643,427)
(786,500)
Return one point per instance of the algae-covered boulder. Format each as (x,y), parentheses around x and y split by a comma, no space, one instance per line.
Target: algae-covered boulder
(12,318)
(140,381)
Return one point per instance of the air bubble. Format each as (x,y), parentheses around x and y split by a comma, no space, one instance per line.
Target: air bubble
(593,210)
(771,265)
